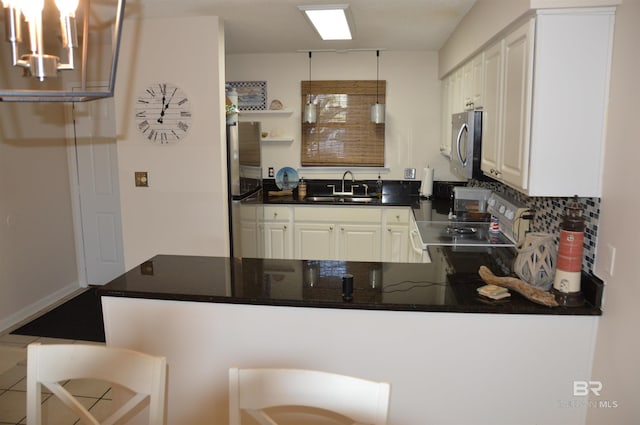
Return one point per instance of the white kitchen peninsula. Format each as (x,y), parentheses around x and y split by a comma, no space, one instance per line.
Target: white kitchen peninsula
(449,358)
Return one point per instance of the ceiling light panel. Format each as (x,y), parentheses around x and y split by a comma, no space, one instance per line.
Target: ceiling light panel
(332,22)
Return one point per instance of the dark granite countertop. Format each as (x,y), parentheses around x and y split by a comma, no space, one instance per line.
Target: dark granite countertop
(312,283)
(394,193)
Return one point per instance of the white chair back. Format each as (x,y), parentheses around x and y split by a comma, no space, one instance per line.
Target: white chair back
(51,365)
(253,390)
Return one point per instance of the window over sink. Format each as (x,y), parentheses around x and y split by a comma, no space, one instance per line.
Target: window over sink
(343,134)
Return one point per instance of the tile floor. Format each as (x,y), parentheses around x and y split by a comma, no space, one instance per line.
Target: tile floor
(93,394)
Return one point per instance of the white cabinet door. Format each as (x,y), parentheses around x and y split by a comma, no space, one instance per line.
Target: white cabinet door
(445,110)
(249,239)
(277,241)
(395,234)
(396,243)
(507,100)
(359,242)
(491,116)
(545,98)
(456,92)
(516,112)
(476,95)
(472,80)
(277,230)
(315,241)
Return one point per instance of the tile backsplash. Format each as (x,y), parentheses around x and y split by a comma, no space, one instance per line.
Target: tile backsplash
(548,216)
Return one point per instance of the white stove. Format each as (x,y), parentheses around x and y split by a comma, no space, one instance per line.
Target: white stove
(512,227)
(512,216)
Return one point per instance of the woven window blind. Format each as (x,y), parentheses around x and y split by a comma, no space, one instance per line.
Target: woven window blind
(343,134)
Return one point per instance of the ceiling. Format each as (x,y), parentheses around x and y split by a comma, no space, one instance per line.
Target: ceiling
(277,26)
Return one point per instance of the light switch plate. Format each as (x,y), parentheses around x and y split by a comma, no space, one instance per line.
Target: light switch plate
(410,173)
(142,178)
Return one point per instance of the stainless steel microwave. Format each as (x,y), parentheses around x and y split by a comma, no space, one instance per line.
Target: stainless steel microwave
(466,144)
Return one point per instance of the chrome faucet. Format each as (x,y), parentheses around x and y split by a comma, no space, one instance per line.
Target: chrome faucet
(353,180)
(343,192)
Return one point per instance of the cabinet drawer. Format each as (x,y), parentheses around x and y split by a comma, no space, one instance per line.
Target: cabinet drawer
(397,215)
(339,214)
(248,212)
(277,213)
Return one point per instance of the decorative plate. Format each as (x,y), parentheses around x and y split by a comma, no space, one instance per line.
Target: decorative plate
(287,178)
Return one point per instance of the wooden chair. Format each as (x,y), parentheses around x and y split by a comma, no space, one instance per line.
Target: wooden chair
(254,390)
(143,374)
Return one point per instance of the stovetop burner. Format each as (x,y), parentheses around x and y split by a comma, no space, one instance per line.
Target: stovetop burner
(460,230)
(457,234)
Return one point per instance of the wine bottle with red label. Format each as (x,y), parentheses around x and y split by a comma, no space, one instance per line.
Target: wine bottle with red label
(566,284)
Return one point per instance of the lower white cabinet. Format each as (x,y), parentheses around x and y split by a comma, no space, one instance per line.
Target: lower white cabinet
(251,241)
(277,228)
(315,241)
(359,242)
(395,239)
(338,233)
(311,232)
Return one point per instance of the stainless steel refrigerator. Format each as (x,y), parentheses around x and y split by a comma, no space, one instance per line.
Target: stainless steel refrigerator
(244,169)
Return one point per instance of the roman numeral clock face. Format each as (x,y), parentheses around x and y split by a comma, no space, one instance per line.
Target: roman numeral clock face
(163,113)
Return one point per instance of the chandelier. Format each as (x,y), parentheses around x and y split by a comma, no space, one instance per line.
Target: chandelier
(42,48)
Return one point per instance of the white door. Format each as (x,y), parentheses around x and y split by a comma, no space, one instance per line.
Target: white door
(95,184)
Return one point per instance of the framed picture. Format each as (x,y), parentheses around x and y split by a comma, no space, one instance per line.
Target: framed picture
(252,95)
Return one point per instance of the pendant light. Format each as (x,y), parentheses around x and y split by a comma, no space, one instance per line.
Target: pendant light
(310,109)
(58,33)
(377,110)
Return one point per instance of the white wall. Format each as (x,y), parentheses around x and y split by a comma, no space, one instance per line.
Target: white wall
(618,346)
(412,104)
(483,21)
(444,368)
(37,250)
(184,209)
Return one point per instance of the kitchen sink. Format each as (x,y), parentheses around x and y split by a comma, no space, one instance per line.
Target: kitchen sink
(321,199)
(363,199)
(344,199)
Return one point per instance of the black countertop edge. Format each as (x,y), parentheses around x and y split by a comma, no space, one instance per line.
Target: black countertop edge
(411,287)
(497,308)
(387,201)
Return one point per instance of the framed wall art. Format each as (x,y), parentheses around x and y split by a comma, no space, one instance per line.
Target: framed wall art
(252,95)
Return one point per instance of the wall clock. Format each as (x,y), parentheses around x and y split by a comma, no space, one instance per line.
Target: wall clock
(163,113)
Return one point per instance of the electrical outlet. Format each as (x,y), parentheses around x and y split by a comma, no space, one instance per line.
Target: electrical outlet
(410,173)
(271,174)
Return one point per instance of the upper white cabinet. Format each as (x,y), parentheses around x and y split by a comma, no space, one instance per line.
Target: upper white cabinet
(508,79)
(445,119)
(545,98)
(461,91)
(472,83)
